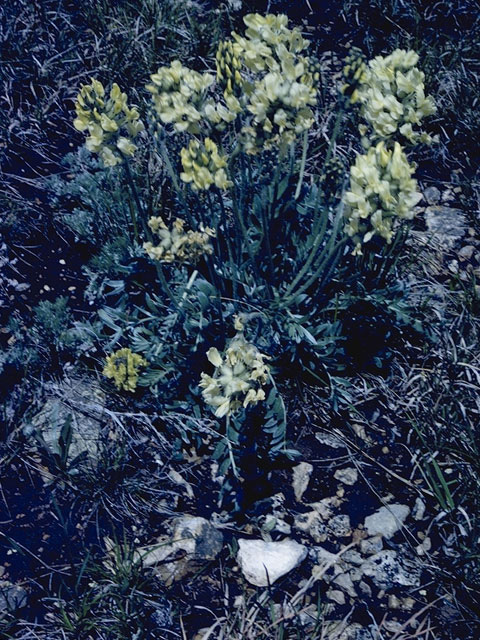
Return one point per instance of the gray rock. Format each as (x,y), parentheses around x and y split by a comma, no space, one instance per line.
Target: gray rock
(349,475)
(446,224)
(330,440)
(78,401)
(195,539)
(352,557)
(345,582)
(465,253)
(313,524)
(324,557)
(340,526)
(301,478)
(371,545)
(432,195)
(365,588)
(387,520)
(387,570)
(262,563)
(12,597)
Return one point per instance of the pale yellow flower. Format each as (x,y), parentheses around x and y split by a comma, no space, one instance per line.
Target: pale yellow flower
(381,192)
(178,95)
(177,245)
(240,373)
(204,166)
(392,98)
(111,124)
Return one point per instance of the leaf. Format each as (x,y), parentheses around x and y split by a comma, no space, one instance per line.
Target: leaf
(65,439)
(224,467)
(219,450)
(108,320)
(203,300)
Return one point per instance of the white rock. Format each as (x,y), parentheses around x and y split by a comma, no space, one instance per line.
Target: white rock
(262,563)
(301,478)
(387,520)
(419,509)
(424,547)
(349,475)
(336,595)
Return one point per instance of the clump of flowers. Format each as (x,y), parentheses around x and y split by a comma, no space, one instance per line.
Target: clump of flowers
(280,100)
(178,95)
(176,244)
(280,104)
(354,74)
(204,166)
(240,373)
(110,122)
(392,98)
(382,190)
(123,367)
(228,68)
(268,42)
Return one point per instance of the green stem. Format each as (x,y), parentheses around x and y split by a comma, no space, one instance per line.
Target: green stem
(332,257)
(166,286)
(173,177)
(133,189)
(230,450)
(315,234)
(226,237)
(302,164)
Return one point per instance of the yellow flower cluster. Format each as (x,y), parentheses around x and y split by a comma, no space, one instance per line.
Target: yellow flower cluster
(178,95)
(228,68)
(228,76)
(176,244)
(392,97)
(280,104)
(354,73)
(204,166)
(123,367)
(268,42)
(110,122)
(238,378)
(280,100)
(381,190)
